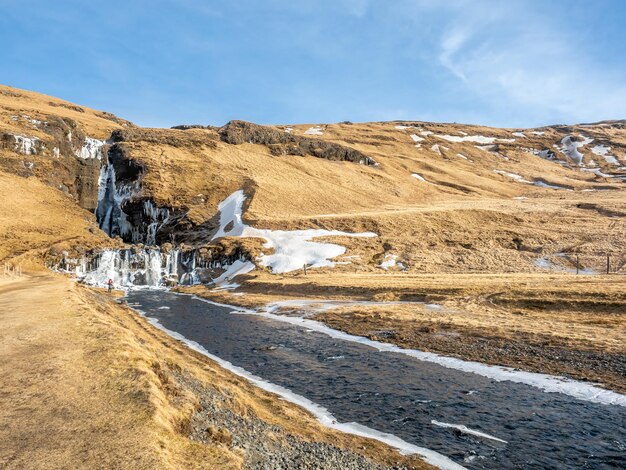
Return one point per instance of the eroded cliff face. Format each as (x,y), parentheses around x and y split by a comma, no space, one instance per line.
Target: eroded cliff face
(63,156)
(159,254)
(89,156)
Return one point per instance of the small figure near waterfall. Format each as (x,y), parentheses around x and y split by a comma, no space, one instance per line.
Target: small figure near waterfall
(110,285)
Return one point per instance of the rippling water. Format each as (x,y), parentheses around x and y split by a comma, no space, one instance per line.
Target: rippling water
(475,421)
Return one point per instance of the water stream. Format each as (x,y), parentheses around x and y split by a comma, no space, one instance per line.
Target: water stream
(474,420)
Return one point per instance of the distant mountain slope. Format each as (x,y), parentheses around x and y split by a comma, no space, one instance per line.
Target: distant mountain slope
(441,197)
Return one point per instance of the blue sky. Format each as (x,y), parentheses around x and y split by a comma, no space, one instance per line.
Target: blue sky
(515,63)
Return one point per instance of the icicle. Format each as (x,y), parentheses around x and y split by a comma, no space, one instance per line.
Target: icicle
(111,196)
(151,235)
(145,267)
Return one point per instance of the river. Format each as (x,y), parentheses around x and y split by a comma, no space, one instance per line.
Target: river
(474,420)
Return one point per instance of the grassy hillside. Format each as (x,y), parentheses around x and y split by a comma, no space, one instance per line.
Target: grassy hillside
(441,197)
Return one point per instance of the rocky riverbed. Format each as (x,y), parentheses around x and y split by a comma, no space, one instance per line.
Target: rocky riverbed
(264,446)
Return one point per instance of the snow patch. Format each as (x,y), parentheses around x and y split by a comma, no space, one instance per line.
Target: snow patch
(292,249)
(598,172)
(519,134)
(317,306)
(545,263)
(611,160)
(464,429)
(545,154)
(600,149)
(538,132)
(419,177)
(570,147)
(513,176)
(26,145)
(435,148)
(416,138)
(390,261)
(92,148)
(35,122)
(543,184)
(603,151)
(235,269)
(479,139)
(316,130)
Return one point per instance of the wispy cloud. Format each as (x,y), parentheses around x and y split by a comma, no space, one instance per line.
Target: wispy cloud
(530,61)
(452,43)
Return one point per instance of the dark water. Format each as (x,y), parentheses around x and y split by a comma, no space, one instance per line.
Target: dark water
(401,395)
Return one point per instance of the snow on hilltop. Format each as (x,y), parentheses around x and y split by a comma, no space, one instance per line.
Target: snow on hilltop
(479,139)
(570,147)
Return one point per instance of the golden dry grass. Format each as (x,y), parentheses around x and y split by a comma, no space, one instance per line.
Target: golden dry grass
(585,309)
(288,186)
(15,102)
(35,217)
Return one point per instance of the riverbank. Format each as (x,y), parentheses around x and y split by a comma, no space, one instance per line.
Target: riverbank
(89,383)
(556,324)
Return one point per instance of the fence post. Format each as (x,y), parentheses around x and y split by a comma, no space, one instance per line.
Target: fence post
(577,264)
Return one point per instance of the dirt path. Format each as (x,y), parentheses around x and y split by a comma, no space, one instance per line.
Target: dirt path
(59,406)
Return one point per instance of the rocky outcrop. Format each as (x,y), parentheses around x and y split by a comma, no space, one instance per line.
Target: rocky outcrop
(186,127)
(81,159)
(172,137)
(122,208)
(64,157)
(284,143)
